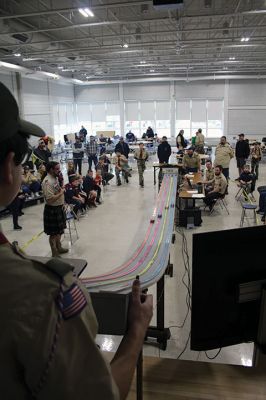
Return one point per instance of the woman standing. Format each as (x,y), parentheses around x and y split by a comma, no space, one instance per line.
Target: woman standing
(180,141)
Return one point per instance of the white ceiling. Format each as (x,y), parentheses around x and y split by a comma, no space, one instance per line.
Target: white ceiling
(202,38)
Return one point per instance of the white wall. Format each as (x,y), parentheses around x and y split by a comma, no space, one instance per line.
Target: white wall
(53,105)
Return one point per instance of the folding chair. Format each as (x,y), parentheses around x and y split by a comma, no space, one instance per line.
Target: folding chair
(221,202)
(245,208)
(70,220)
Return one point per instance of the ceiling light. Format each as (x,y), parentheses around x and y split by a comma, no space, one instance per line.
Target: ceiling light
(151,70)
(125,45)
(232,58)
(66,70)
(86,12)
(31,59)
(142,62)
(8,65)
(60,67)
(17,54)
(51,75)
(244,39)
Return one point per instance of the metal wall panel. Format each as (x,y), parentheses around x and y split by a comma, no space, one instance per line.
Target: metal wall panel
(250,122)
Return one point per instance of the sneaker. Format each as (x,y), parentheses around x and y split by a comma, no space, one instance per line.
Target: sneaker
(21,213)
(127,180)
(119,184)
(17,228)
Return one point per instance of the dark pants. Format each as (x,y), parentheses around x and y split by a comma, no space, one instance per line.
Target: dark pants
(78,206)
(262,199)
(99,191)
(107,176)
(255,168)
(92,157)
(78,164)
(33,187)
(15,208)
(226,172)
(211,197)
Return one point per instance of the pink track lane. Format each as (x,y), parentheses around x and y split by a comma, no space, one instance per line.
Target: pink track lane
(138,251)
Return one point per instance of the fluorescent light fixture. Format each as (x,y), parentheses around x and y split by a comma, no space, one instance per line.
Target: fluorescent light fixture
(60,67)
(8,65)
(17,54)
(142,62)
(232,58)
(77,81)
(151,70)
(31,59)
(51,75)
(244,39)
(125,45)
(86,12)
(66,70)
(89,12)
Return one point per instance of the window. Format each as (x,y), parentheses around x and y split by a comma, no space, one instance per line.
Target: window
(84,116)
(183,117)
(215,118)
(132,117)
(198,115)
(98,117)
(163,118)
(113,117)
(147,115)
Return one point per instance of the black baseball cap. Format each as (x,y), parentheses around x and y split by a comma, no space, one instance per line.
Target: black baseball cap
(10,122)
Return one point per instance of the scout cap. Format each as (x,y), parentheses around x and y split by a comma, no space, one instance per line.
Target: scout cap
(10,122)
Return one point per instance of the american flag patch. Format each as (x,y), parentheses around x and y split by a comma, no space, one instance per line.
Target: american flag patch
(73,302)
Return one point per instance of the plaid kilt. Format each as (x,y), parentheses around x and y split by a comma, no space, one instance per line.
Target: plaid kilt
(54,220)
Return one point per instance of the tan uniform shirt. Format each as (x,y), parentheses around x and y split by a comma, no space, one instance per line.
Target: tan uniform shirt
(145,155)
(123,161)
(50,187)
(219,183)
(199,141)
(209,173)
(223,155)
(32,332)
(28,178)
(256,154)
(191,162)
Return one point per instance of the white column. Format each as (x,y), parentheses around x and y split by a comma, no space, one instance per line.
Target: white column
(17,90)
(226,94)
(172,109)
(121,108)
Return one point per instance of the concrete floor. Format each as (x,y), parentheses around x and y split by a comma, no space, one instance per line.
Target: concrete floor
(112,231)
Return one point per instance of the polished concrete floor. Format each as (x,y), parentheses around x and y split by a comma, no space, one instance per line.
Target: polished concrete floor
(112,231)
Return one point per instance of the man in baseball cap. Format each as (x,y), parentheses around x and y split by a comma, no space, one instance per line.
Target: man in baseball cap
(48,326)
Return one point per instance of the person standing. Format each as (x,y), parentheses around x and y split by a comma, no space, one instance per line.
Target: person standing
(199,142)
(191,161)
(122,147)
(149,133)
(92,149)
(78,153)
(42,154)
(54,218)
(15,207)
(83,133)
(223,154)
(180,141)
(242,152)
(141,155)
(45,309)
(256,155)
(164,151)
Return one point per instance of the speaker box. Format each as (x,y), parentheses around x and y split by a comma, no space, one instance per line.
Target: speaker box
(190,216)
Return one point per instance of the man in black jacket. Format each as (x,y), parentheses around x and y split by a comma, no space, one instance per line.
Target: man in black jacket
(242,152)
(164,151)
(42,153)
(122,147)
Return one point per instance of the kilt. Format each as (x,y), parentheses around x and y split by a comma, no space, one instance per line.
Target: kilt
(54,220)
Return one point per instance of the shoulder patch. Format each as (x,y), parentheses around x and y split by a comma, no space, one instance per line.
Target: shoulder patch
(58,266)
(73,301)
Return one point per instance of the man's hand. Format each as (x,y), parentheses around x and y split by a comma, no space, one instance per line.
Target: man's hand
(140,310)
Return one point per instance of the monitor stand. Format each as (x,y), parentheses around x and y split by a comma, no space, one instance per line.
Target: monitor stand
(252,291)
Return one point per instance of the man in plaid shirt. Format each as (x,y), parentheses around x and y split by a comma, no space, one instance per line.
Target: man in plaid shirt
(91,149)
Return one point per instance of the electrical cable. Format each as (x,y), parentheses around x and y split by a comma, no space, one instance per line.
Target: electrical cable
(216,355)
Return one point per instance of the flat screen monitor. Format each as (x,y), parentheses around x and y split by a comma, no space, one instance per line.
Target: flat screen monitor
(221,261)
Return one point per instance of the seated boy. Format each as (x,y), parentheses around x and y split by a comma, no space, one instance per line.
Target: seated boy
(246,181)
(30,183)
(72,195)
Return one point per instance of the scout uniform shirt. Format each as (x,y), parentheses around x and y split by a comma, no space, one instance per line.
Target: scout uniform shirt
(191,162)
(223,155)
(199,139)
(48,326)
(219,183)
(50,187)
(209,174)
